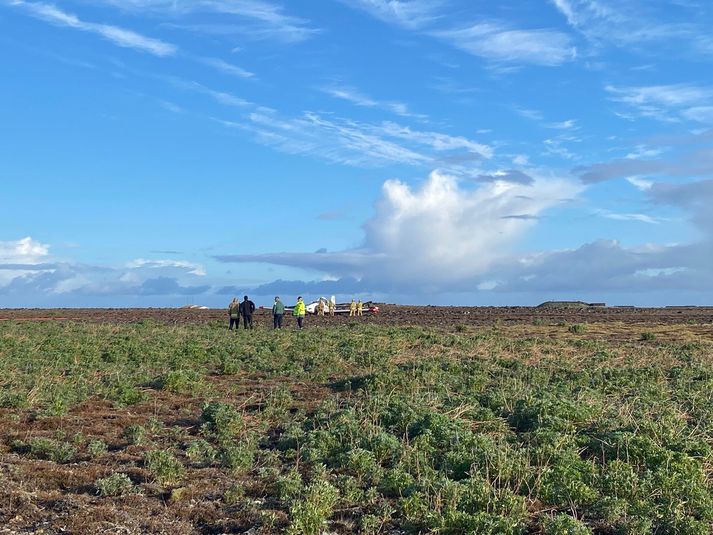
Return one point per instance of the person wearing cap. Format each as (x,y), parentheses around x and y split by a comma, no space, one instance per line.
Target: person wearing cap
(299,312)
(247,308)
(278,311)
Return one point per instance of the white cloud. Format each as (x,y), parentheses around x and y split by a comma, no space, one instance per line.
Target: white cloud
(491,40)
(227,68)
(633,23)
(640,183)
(354,143)
(407,13)
(190,267)
(24,251)
(357,98)
(563,125)
(27,271)
(119,36)
(534,115)
(498,43)
(641,218)
(436,140)
(222,97)
(258,19)
(435,236)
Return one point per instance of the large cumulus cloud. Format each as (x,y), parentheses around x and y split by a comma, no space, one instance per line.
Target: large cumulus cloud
(440,235)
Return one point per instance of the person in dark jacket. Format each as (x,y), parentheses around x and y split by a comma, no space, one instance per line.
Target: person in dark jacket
(247,308)
(234,314)
(278,311)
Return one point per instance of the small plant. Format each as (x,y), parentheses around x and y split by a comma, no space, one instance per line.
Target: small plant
(155,426)
(115,485)
(48,449)
(238,459)
(565,525)
(648,336)
(234,495)
(124,395)
(164,467)
(96,448)
(201,452)
(135,434)
(222,420)
(310,514)
(182,381)
(578,328)
(289,486)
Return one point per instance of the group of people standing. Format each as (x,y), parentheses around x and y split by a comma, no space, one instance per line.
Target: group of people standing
(246,308)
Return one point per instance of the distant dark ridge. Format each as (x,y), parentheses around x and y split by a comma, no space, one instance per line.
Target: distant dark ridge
(570,304)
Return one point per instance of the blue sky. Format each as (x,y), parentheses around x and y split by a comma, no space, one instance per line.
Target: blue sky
(164,152)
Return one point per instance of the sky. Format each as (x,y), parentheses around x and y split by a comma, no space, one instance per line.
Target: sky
(171,152)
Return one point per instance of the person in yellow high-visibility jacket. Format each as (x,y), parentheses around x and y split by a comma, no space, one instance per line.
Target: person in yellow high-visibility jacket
(299,312)
(320,307)
(352,308)
(360,308)
(331,304)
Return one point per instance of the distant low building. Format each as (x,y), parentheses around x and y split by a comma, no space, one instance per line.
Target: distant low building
(570,304)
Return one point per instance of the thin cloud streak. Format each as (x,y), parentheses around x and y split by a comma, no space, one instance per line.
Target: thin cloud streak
(119,36)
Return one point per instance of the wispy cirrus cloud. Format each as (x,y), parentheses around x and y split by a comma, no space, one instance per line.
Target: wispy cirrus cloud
(667,103)
(492,40)
(225,67)
(498,43)
(411,14)
(256,19)
(355,143)
(117,35)
(634,23)
(222,97)
(356,97)
(192,268)
(640,218)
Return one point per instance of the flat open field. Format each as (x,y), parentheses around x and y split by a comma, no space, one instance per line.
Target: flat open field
(418,420)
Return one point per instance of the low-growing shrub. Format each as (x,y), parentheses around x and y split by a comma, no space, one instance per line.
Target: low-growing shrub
(96,448)
(578,328)
(164,467)
(201,452)
(47,449)
(222,420)
(565,525)
(234,494)
(135,434)
(182,381)
(310,513)
(115,485)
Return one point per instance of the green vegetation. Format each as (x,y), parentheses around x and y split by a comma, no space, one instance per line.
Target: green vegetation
(115,485)
(363,428)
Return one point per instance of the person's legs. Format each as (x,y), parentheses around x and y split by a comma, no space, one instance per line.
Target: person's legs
(299,321)
(279,321)
(234,321)
(275,321)
(250,321)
